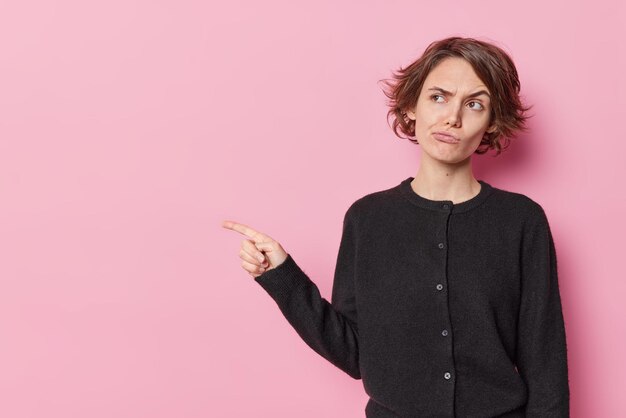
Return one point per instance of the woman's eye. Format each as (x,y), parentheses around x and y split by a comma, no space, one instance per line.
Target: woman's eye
(436,95)
(479,104)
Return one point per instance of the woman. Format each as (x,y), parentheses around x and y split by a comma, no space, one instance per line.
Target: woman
(445,299)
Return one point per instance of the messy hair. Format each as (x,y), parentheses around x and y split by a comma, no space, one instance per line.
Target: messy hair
(492,65)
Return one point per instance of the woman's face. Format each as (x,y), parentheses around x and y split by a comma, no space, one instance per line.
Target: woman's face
(453,100)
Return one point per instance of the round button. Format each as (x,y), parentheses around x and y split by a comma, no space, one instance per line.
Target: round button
(446,206)
(444,332)
(439,286)
(447,376)
(441,245)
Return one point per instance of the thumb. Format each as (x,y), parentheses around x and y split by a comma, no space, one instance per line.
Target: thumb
(267,247)
(273,251)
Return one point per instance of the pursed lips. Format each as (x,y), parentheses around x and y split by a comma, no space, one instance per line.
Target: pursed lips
(445,137)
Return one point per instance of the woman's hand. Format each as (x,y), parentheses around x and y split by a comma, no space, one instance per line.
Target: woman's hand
(260,252)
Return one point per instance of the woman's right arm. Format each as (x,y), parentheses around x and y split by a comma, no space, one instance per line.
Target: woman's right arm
(329,328)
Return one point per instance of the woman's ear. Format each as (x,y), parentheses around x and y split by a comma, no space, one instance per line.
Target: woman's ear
(410,114)
(492,128)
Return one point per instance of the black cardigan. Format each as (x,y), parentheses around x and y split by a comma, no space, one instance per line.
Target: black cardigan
(442,309)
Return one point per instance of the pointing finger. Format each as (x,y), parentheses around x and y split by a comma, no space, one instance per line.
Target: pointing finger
(241,228)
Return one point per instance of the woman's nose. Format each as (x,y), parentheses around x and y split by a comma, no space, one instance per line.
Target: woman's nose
(454,117)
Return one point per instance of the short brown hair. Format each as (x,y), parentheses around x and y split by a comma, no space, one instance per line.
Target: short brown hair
(492,65)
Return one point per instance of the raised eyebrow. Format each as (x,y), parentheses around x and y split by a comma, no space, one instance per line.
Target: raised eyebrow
(449,93)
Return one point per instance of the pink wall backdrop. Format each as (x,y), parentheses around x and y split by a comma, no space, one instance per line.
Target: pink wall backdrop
(130,129)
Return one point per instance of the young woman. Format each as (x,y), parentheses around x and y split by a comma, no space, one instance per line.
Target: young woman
(445,299)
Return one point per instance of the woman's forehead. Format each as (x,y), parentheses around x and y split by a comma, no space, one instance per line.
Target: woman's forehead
(453,74)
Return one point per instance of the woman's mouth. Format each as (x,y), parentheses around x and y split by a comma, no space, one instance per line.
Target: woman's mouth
(445,138)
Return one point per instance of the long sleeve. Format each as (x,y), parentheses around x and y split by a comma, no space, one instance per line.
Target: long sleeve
(541,356)
(328,328)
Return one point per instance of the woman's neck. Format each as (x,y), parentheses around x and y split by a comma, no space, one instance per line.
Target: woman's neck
(456,185)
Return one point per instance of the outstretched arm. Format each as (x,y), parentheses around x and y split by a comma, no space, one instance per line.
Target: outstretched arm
(328,328)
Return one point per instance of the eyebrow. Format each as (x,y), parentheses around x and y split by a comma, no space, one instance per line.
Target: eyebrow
(478,93)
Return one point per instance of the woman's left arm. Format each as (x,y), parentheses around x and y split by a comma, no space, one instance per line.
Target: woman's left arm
(541,357)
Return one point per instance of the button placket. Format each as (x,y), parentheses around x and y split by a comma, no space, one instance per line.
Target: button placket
(443,245)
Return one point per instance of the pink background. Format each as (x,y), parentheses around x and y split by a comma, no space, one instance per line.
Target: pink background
(130,129)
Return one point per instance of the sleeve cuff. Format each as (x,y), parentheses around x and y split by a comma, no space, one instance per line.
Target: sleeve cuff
(282,280)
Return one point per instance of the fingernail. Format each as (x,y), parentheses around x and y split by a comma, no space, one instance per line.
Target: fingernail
(261,258)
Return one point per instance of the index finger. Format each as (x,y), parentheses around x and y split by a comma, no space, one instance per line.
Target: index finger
(239,227)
